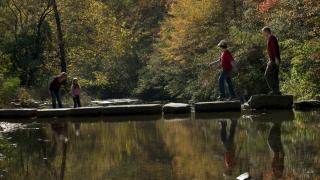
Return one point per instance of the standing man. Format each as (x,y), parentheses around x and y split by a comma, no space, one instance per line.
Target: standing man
(272,70)
(55,89)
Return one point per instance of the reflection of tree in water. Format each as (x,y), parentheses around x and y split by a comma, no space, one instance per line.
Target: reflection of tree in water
(275,144)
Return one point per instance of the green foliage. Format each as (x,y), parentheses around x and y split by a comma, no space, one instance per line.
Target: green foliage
(158,49)
(8,89)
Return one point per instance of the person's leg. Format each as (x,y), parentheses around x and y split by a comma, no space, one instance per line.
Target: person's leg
(57,93)
(276,80)
(230,86)
(74,102)
(221,84)
(54,99)
(78,101)
(267,75)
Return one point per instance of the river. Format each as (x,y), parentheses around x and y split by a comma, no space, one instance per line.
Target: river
(277,145)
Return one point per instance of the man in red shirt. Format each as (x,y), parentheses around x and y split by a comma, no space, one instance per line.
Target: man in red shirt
(272,70)
(54,89)
(226,62)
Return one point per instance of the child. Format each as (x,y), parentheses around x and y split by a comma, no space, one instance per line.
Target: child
(227,65)
(75,92)
(55,89)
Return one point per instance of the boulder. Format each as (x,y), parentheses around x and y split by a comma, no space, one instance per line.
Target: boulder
(176,108)
(307,105)
(17,113)
(62,112)
(271,102)
(141,109)
(218,106)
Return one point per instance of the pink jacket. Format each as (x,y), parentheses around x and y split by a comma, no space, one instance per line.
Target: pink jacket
(75,91)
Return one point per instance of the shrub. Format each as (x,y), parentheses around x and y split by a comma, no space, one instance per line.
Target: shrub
(8,90)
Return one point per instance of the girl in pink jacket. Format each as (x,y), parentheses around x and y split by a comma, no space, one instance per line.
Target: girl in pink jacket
(75,92)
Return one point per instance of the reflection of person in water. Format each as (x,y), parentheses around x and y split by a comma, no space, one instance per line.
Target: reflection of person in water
(228,142)
(77,128)
(61,130)
(275,144)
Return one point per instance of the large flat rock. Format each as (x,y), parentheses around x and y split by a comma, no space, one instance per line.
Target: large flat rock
(271,102)
(86,111)
(307,105)
(46,113)
(176,108)
(115,102)
(141,109)
(218,106)
(17,113)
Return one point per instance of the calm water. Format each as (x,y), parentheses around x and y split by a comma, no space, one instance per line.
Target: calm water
(279,145)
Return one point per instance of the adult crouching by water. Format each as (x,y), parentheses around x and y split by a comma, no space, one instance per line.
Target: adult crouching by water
(55,89)
(227,66)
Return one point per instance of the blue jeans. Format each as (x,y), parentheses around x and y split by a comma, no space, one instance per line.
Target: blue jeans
(76,102)
(55,95)
(226,77)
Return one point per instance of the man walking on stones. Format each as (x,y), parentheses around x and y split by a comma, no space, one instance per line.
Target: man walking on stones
(272,70)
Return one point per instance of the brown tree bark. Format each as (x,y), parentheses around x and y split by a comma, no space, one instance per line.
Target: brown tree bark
(63,62)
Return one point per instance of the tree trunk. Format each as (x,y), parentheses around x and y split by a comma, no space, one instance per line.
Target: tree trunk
(235,8)
(60,37)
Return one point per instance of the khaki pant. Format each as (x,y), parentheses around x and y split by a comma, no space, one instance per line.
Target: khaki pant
(272,77)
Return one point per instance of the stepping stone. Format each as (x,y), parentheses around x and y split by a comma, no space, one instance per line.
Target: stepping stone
(61,112)
(271,102)
(307,105)
(176,108)
(17,113)
(115,102)
(218,106)
(142,109)
(86,111)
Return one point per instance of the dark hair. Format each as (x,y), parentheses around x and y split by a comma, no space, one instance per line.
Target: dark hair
(266,29)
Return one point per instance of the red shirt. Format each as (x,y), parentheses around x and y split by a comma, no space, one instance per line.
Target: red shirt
(225,60)
(273,48)
(55,84)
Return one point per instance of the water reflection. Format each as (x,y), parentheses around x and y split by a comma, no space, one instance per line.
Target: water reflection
(77,128)
(228,142)
(267,145)
(60,131)
(275,144)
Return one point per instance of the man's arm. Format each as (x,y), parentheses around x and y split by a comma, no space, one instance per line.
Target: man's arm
(214,62)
